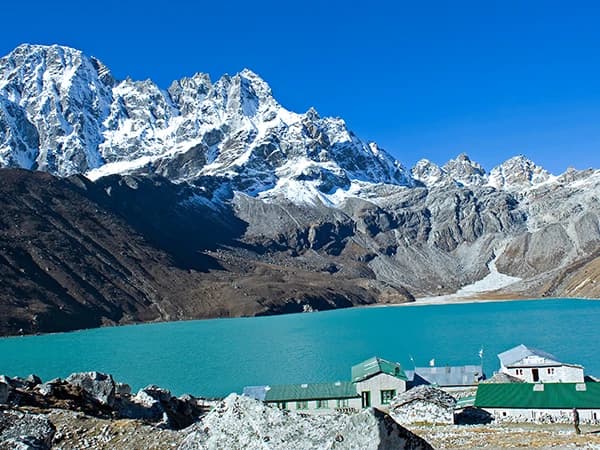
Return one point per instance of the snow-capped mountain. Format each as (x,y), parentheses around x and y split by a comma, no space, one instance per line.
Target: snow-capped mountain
(430,174)
(63,112)
(465,171)
(55,100)
(518,173)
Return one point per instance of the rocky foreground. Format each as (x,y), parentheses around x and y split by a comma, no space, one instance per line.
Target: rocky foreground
(92,411)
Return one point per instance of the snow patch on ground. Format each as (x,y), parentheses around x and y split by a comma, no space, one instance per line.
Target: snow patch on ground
(491,282)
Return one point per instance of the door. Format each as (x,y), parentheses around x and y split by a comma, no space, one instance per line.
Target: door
(366,399)
(536,375)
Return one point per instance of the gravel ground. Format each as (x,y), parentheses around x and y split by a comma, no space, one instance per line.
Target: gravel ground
(508,436)
(76,431)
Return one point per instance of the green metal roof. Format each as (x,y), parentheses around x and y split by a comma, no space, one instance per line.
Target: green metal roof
(528,395)
(316,391)
(375,365)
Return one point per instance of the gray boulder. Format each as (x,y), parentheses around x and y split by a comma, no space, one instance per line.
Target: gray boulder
(25,431)
(33,380)
(423,404)
(5,390)
(122,389)
(157,405)
(242,422)
(98,385)
(146,405)
(21,383)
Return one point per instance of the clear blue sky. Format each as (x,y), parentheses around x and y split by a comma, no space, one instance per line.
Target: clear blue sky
(423,79)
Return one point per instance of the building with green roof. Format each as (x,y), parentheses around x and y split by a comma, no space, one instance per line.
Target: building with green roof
(534,401)
(375,382)
(374,366)
(378,381)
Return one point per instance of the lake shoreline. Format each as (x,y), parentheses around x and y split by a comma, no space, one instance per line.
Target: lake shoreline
(196,356)
(448,299)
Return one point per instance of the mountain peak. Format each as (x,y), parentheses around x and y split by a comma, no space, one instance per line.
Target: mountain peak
(465,171)
(516,173)
(428,173)
(66,95)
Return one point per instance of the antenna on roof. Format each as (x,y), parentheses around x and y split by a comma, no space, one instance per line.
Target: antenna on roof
(481,360)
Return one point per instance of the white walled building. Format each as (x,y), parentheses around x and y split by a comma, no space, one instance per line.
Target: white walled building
(375,382)
(314,398)
(378,381)
(536,366)
(540,402)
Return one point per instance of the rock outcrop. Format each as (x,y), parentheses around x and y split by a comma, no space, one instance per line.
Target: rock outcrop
(97,394)
(4,392)
(24,431)
(99,386)
(158,406)
(241,422)
(423,404)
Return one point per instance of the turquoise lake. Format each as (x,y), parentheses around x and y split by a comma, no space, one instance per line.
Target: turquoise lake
(214,357)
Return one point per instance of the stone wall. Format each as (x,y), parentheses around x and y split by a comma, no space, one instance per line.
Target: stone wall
(586,416)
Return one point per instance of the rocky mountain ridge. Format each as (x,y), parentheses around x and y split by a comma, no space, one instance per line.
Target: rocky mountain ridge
(64,113)
(211,199)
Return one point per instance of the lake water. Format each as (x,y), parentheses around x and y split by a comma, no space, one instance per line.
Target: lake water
(215,357)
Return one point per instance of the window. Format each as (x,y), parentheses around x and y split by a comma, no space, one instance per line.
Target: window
(321,404)
(387,396)
(342,403)
(551,371)
(303,404)
(519,371)
(282,405)
(366,398)
(595,416)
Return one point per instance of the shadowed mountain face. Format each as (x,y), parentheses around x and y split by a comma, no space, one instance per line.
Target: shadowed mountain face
(211,199)
(77,254)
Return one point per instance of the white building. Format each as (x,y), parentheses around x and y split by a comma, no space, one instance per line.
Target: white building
(378,381)
(535,366)
(540,402)
(375,382)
